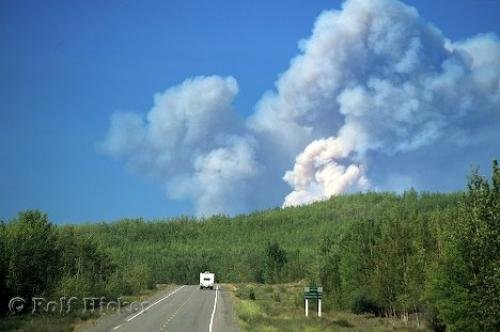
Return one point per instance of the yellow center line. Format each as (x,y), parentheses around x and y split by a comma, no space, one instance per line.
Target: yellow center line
(163,328)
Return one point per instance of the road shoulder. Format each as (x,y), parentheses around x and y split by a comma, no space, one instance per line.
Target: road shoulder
(225,319)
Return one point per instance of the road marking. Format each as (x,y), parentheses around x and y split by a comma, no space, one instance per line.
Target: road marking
(148,307)
(175,313)
(213,311)
(117,327)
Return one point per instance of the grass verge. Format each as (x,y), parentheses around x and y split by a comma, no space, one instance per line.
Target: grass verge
(270,308)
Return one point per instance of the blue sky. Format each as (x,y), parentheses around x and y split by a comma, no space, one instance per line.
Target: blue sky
(65,67)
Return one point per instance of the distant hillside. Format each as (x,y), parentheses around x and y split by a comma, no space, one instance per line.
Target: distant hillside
(235,248)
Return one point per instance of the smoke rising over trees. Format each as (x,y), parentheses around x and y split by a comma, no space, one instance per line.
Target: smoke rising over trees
(381,90)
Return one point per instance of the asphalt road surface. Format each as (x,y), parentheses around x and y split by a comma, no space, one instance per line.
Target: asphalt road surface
(182,308)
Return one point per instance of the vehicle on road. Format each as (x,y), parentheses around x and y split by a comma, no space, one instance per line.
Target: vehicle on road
(207,280)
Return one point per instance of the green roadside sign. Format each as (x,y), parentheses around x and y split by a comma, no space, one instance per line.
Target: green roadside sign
(313,293)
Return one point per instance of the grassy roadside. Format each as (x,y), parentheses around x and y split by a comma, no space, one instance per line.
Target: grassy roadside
(280,308)
(44,322)
(73,321)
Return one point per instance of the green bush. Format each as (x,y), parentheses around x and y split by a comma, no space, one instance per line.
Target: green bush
(251,294)
(364,303)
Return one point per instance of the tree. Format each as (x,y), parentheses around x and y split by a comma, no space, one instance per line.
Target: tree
(3,268)
(466,285)
(31,247)
(83,267)
(275,261)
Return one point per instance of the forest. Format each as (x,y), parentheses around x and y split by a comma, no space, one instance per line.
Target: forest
(435,255)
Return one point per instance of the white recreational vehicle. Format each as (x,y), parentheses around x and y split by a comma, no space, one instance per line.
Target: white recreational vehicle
(207,280)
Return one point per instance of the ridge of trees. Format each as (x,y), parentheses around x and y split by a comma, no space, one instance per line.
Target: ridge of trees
(427,254)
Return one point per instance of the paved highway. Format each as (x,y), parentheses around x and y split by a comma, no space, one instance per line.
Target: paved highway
(183,308)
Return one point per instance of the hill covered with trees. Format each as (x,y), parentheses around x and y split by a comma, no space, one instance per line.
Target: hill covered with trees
(432,254)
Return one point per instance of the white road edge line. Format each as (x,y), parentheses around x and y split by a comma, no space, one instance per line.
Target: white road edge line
(117,327)
(210,327)
(149,306)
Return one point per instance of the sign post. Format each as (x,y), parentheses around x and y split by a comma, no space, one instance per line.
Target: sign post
(313,293)
(319,307)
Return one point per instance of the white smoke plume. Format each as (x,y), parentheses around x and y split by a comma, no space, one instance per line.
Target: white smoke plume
(383,80)
(375,94)
(190,142)
(317,175)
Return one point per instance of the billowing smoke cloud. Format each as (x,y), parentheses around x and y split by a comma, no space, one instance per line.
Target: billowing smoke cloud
(376,77)
(317,176)
(190,142)
(375,93)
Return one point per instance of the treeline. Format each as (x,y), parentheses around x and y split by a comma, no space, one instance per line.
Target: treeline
(427,254)
(435,256)
(38,259)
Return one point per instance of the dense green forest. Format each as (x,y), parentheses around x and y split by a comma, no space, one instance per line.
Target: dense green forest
(428,254)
